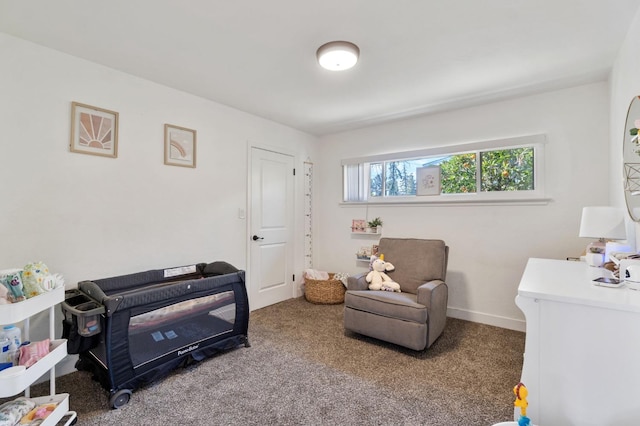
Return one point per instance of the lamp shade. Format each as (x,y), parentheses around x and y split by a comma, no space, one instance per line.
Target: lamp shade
(603,222)
(338,55)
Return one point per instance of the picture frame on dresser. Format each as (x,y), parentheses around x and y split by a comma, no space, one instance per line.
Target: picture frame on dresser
(94,130)
(179,146)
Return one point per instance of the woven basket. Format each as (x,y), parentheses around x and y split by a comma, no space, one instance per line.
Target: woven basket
(324,292)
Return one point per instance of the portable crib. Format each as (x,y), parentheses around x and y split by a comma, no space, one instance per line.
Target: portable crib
(134,329)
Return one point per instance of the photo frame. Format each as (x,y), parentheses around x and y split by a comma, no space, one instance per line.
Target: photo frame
(428,180)
(375,249)
(359,225)
(94,130)
(179,146)
(364,253)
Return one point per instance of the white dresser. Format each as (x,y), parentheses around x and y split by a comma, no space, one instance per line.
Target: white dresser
(582,351)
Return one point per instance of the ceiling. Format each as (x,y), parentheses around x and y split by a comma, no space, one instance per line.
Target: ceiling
(417,56)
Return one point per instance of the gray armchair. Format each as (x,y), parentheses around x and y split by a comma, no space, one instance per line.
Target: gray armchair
(416,316)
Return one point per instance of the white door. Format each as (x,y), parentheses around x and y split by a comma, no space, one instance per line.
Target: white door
(271,253)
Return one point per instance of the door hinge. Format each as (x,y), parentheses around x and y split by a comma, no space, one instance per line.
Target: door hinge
(294,172)
(294,278)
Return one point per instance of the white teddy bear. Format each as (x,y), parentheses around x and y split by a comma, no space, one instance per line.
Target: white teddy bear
(378,280)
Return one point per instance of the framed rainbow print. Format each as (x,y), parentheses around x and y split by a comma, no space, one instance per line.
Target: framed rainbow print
(94,130)
(179,146)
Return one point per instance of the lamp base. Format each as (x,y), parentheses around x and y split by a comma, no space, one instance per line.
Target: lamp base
(597,247)
(595,253)
(594,259)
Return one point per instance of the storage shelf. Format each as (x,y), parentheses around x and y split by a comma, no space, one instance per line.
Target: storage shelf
(15,312)
(60,411)
(378,233)
(13,385)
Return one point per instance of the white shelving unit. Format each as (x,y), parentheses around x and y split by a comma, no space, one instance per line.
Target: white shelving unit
(15,384)
(368,235)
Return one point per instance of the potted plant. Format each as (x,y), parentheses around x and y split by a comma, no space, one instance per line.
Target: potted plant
(374,224)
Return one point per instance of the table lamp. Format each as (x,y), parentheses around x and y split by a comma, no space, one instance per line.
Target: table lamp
(603,223)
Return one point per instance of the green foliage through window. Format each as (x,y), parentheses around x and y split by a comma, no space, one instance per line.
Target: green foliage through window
(401,178)
(375,183)
(500,170)
(393,178)
(507,170)
(458,174)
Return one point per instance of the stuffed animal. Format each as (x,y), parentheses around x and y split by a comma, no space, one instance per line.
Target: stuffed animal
(377,278)
(11,279)
(4,294)
(33,275)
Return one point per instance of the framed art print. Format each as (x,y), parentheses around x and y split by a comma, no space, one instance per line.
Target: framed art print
(358,225)
(179,146)
(94,130)
(428,180)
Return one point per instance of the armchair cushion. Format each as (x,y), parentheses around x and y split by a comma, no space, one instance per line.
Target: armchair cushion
(416,261)
(402,306)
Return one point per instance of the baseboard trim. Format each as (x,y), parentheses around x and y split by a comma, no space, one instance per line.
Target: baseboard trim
(483,318)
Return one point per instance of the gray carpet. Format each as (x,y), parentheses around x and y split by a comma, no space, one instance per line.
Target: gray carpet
(303,369)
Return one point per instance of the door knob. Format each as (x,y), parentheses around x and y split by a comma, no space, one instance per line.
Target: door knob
(256,238)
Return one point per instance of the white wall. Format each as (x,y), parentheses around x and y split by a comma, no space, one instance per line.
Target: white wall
(625,84)
(489,245)
(89,217)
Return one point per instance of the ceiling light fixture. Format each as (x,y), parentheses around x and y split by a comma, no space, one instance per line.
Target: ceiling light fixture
(338,55)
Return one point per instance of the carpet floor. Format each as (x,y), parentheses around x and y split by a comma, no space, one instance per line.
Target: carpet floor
(303,369)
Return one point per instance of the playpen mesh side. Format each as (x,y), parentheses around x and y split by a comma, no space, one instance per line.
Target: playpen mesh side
(151,331)
(180,327)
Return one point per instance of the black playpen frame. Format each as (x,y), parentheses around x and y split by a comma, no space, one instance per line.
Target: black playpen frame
(184,316)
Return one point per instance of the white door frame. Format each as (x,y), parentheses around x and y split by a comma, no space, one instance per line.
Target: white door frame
(278,150)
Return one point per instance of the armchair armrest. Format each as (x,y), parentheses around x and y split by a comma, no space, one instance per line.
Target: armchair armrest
(434,295)
(358,282)
(430,293)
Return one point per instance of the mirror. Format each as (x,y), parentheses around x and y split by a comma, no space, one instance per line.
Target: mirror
(631,159)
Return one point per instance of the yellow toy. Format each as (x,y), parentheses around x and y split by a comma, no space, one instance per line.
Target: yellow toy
(521,393)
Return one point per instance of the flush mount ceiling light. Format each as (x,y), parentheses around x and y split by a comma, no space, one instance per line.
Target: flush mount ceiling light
(338,55)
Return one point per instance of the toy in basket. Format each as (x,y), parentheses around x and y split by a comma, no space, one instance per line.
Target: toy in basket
(323,288)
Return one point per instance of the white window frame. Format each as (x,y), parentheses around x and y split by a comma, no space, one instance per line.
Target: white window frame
(535,196)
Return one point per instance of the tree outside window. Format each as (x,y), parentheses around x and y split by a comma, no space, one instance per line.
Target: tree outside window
(507,170)
(458,174)
(500,170)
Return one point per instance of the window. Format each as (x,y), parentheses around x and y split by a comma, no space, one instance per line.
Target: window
(495,170)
